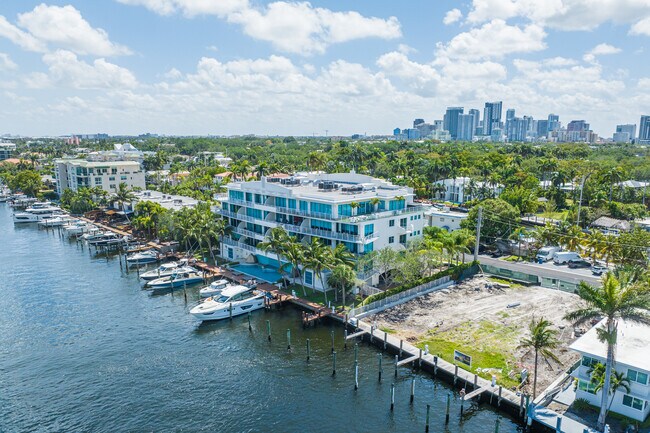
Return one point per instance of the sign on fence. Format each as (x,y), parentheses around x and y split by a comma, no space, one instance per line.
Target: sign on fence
(462,358)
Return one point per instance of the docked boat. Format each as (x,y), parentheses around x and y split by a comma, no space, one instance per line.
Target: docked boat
(180,278)
(57,221)
(36,214)
(165,270)
(143,257)
(233,301)
(77,228)
(214,289)
(106,239)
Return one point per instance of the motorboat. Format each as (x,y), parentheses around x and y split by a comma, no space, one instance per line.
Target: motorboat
(214,289)
(233,301)
(57,221)
(106,239)
(36,214)
(180,278)
(143,257)
(165,270)
(77,228)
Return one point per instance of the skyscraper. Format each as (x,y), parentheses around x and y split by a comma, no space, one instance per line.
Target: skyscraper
(417,122)
(451,120)
(644,130)
(510,114)
(542,128)
(553,122)
(491,116)
(577,126)
(465,127)
(630,129)
(477,117)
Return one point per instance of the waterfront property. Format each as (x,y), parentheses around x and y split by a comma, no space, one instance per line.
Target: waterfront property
(631,360)
(76,173)
(361,212)
(463,189)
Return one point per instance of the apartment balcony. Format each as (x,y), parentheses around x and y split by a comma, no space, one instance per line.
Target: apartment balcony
(233,243)
(248,233)
(345,237)
(384,214)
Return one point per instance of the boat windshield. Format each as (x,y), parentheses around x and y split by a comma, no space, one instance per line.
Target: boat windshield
(222,299)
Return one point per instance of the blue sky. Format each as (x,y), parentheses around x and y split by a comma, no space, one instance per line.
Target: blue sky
(285,67)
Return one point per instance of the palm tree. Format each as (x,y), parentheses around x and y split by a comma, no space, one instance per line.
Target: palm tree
(375,203)
(294,253)
(318,258)
(572,239)
(542,340)
(342,277)
(613,176)
(124,195)
(624,296)
(618,380)
(276,242)
(596,242)
(354,205)
(342,256)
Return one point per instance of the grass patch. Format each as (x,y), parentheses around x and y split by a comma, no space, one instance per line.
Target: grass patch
(512,284)
(319,298)
(387,330)
(491,346)
(511,259)
(557,215)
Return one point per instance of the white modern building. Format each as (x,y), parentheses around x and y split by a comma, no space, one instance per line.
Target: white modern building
(76,173)
(632,361)
(167,201)
(444,218)
(361,212)
(120,152)
(462,189)
(6,150)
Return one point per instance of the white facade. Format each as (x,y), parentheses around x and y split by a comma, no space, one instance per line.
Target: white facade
(120,152)
(319,205)
(6,150)
(462,189)
(76,173)
(632,361)
(444,218)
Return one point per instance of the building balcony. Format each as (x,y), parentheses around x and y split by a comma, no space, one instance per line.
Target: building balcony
(233,243)
(249,233)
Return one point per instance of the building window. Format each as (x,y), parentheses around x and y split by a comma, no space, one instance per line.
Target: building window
(586,361)
(391,239)
(402,239)
(113,170)
(122,177)
(98,181)
(368,247)
(633,402)
(112,186)
(230,254)
(391,223)
(309,278)
(369,229)
(637,376)
(586,387)
(111,179)
(402,222)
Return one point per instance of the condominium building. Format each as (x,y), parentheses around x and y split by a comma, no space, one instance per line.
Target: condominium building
(76,173)
(631,361)
(463,189)
(361,212)
(6,150)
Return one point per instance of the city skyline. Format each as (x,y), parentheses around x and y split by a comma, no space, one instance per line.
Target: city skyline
(185,67)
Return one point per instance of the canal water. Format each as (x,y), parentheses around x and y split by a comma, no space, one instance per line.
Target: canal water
(84,349)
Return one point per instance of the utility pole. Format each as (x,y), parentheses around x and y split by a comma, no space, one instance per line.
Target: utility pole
(478,232)
(582,187)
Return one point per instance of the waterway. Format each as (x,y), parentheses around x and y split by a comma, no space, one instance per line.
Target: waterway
(84,349)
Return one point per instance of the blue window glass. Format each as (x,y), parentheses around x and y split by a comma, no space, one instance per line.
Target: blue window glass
(396,205)
(368,247)
(321,225)
(255,213)
(309,278)
(349,229)
(249,196)
(281,202)
(292,203)
(321,208)
(345,210)
(236,195)
(369,229)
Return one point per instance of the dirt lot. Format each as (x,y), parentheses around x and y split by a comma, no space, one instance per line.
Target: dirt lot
(487,323)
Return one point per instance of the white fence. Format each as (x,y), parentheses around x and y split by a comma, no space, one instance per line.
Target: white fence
(400,298)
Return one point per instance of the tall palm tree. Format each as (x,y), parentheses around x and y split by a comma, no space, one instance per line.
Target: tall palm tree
(618,380)
(318,258)
(124,195)
(596,243)
(294,252)
(623,296)
(342,256)
(572,239)
(542,341)
(276,243)
(613,176)
(342,277)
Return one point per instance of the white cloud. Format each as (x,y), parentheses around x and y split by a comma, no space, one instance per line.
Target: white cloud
(452,16)
(212,48)
(294,27)
(600,50)
(65,27)
(421,78)
(561,14)
(191,8)
(65,69)
(641,27)
(19,37)
(6,64)
(494,40)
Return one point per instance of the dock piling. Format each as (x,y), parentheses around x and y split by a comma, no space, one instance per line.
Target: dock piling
(356,375)
(332,335)
(385,339)
(448,405)
(268,329)
(426,426)
(250,327)
(499,400)
(435,365)
(496,425)
(308,349)
(412,390)
(288,339)
(345,338)
(455,374)
(356,352)
(392,396)
(333,363)
(420,359)
(396,361)
(379,361)
(230,311)
(401,343)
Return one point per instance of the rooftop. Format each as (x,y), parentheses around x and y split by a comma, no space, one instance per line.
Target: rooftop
(610,223)
(168,201)
(84,163)
(632,344)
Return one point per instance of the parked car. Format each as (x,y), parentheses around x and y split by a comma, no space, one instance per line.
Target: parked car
(562,257)
(598,269)
(545,254)
(579,263)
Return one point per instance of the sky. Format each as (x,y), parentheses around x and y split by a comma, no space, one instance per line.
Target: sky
(228,67)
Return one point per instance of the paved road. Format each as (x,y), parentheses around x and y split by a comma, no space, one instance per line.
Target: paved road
(548,270)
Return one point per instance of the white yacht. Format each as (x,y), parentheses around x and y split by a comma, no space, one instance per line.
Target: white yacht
(78,227)
(36,214)
(55,221)
(143,257)
(165,270)
(233,301)
(105,239)
(215,288)
(180,278)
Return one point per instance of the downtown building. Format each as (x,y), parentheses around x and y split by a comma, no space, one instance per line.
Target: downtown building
(361,212)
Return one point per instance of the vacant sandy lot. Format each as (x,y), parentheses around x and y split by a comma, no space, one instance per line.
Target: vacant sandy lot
(488,323)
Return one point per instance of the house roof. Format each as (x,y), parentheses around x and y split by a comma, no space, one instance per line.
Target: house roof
(611,223)
(631,346)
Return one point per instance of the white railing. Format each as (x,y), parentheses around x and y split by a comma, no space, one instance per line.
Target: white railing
(232,243)
(400,298)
